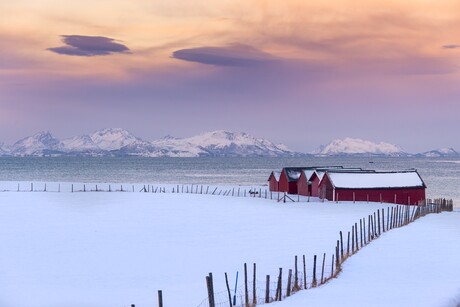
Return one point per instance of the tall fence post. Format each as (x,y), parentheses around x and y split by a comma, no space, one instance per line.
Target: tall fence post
(160,298)
(267,290)
(246,292)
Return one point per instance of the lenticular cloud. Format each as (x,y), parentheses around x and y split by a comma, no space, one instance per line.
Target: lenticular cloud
(79,45)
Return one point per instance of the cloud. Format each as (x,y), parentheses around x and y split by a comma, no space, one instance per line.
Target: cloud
(451,46)
(80,45)
(239,55)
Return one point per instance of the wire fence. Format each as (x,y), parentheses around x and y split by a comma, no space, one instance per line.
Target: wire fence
(324,267)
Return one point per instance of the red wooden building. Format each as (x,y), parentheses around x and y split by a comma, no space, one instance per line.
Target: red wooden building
(401,187)
(288,179)
(274,181)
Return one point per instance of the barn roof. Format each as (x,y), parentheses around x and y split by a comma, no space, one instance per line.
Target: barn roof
(293,173)
(372,180)
(276,175)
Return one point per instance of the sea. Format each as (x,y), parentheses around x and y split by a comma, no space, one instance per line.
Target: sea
(441,175)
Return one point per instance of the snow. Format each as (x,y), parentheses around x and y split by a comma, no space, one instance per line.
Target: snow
(115,249)
(80,143)
(357,146)
(112,138)
(308,173)
(411,266)
(277,175)
(375,180)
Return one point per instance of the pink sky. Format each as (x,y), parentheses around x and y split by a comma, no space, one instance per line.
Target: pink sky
(296,72)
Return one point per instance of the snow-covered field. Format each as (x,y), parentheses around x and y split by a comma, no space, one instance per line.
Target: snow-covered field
(116,249)
(416,265)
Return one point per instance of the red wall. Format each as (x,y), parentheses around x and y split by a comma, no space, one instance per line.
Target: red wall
(302,185)
(315,185)
(406,196)
(403,195)
(273,184)
(283,184)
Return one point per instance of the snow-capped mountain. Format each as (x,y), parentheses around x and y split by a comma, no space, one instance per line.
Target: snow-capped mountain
(224,143)
(120,142)
(4,150)
(442,152)
(350,146)
(40,144)
(113,138)
(82,143)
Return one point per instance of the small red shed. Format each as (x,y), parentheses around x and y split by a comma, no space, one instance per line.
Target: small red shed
(398,187)
(304,185)
(274,181)
(288,179)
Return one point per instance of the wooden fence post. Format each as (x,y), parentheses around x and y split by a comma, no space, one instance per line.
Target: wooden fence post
(279,286)
(246,292)
(348,244)
(322,269)
(228,291)
(296,275)
(304,273)
(313,283)
(254,296)
(210,292)
(383,220)
(341,245)
(356,236)
(352,239)
(160,298)
(288,290)
(332,266)
(267,290)
(361,230)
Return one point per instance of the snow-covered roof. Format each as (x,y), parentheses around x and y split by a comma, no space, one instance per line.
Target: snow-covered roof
(276,175)
(293,174)
(369,180)
(308,173)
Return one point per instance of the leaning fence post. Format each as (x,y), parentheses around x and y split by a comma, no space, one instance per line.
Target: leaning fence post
(288,290)
(279,286)
(322,269)
(160,298)
(228,291)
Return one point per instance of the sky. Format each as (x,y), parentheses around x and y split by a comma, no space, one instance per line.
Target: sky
(296,72)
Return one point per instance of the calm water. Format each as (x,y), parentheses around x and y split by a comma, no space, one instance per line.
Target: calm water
(441,175)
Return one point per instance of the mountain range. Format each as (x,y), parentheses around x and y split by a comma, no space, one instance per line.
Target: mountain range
(120,142)
(359,147)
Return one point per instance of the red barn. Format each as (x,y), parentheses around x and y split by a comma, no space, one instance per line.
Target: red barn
(304,184)
(288,179)
(402,187)
(274,181)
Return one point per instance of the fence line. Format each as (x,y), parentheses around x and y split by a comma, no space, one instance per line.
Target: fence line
(276,289)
